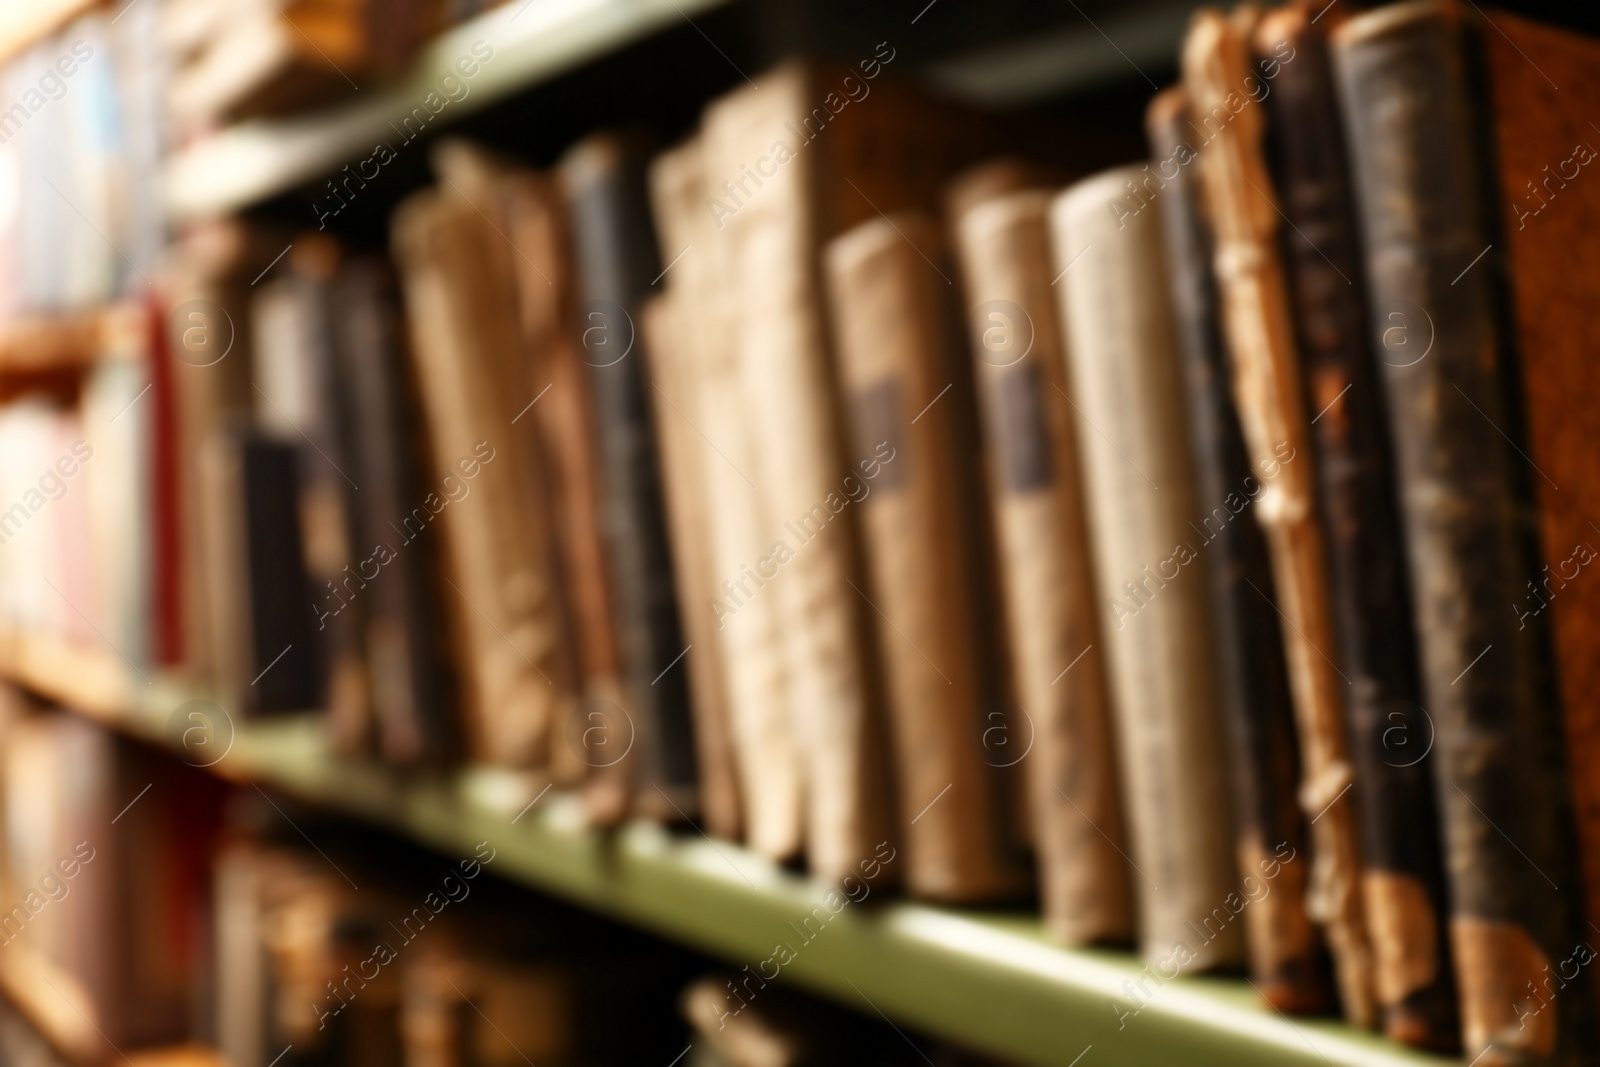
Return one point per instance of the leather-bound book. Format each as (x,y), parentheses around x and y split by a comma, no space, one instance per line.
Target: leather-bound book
(1550,219)
(1402,875)
(1287,960)
(1408,78)
(504,617)
(1267,389)
(407,679)
(897,344)
(614,251)
(769,762)
(1126,397)
(1056,656)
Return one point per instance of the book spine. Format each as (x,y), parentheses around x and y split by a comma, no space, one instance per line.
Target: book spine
(615,255)
(1056,657)
(1286,956)
(890,330)
(1266,386)
(1133,438)
(1402,878)
(1407,106)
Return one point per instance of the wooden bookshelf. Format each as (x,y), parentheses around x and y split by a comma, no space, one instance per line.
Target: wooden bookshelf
(533,41)
(44,343)
(992,981)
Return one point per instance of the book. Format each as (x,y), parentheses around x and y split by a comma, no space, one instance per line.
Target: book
(1287,959)
(895,335)
(1133,443)
(1037,508)
(1267,388)
(505,624)
(615,263)
(767,756)
(1402,875)
(1417,141)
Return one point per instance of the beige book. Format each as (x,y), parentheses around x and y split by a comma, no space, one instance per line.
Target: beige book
(1154,617)
(1271,401)
(674,392)
(766,755)
(505,619)
(893,332)
(1057,657)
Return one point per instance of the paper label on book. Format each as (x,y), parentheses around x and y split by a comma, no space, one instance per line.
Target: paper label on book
(1020,429)
(878,417)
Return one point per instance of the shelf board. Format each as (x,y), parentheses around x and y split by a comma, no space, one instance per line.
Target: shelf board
(44,342)
(533,41)
(991,981)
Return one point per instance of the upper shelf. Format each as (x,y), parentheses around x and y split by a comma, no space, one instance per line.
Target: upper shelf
(991,981)
(533,41)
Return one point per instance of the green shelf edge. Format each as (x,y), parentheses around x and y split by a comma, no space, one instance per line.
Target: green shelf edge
(991,982)
(533,41)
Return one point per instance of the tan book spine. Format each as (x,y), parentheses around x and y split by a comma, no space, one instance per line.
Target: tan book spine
(766,756)
(789,393)
(504,617)
(892,332)
(1133,438)
(674,394)
(1270,396)
(1057,657)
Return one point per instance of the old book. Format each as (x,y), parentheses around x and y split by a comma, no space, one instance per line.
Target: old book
(1550,220)
(768,758)
(408,682)
(893,332)
(785,175)
(1267,388)
(1415,135)
(1057,658)
(1286,956)
(615,259)
(1133,440)
(261,610)
(1402,876)
(505,618)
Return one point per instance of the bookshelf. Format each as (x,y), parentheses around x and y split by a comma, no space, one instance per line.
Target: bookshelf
(988,980)
(70,340)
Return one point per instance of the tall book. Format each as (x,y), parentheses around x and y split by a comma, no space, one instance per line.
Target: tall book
(894,332)
(1057,657)
(1133,438)
(1267,388)
(505,618)
(614,253)
(1287,959)
(1402,875)
(1417,138)
(768,760)
(1543,139)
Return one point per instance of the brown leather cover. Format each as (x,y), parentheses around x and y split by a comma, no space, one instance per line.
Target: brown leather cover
(1406,88)
(1267,389)
(1390,739)
(1287,959)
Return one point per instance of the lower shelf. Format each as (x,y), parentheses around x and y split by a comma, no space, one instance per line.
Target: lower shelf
(993,982)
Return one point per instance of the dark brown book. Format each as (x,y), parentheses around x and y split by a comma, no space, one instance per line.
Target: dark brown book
(1402,876)
(616,262)
(407,678)
(1406,82)
(1287,960)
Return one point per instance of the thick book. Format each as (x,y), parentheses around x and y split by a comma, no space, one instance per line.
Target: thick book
(615,259)
(1266,385)
(769,762)
(897,340)
(1062,731)
(504,616)
(1402,874)
(1287,959)
(1133,440)
(408,682)
(1407,78)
